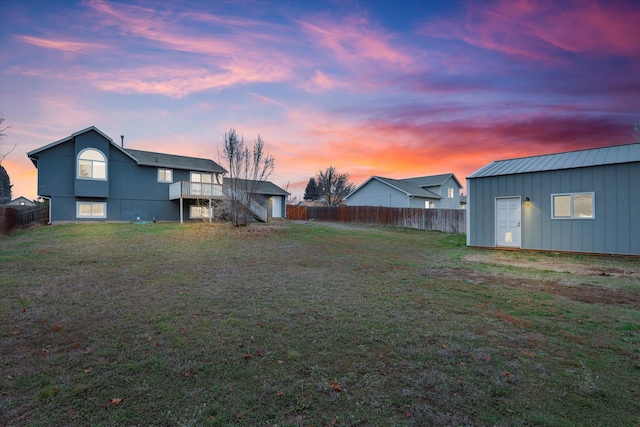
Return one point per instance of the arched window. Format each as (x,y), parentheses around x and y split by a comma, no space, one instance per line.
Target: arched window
(92,164)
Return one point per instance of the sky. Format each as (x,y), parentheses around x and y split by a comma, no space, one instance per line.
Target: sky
(390,88)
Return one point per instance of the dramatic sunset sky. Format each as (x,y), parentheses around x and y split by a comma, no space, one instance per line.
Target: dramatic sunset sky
(392,88)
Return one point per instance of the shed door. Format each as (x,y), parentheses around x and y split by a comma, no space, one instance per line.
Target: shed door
(508,222)
(276,207)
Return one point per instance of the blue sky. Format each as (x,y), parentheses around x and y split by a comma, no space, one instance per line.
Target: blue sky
(396,89)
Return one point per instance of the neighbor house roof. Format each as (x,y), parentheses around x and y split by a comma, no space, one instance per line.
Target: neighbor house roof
(402,185)
(22,199)
(568,160)
(143,158)
(432,180)
(266,188)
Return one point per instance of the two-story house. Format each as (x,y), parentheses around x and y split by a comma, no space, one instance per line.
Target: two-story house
(86,176)
(434,191)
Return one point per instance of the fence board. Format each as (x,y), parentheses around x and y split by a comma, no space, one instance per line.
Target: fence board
(447,220)
(7,219)
(38,214)
(297,212)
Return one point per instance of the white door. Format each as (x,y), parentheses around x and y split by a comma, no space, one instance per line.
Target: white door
(508,222)
(276,207)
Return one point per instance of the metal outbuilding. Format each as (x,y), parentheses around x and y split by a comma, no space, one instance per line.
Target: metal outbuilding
(578,201)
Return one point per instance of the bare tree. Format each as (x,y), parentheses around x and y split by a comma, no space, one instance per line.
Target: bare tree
(5,181)
(636,131)
(247,170)
(3,153)
(333,186)
(291,199)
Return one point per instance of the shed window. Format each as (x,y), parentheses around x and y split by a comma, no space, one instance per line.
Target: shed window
(573,206)
(165,175)
(91,210)
(92,164)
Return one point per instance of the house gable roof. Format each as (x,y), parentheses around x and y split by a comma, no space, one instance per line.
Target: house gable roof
(568,160)
(402,185)
(433,180)
(142,158)
(34,154)
(172,161)
(266,188)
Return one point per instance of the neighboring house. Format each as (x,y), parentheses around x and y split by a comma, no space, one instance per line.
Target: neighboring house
(266,194)
(435,191)
(21,201)
(86,176)
(579,201)
(463,201)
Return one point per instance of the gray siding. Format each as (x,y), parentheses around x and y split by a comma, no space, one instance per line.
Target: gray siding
(443,190)
(615,229)
(375,193)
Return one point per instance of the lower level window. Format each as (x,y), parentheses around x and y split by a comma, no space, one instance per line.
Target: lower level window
(198,212)
(91,210)
(575,205)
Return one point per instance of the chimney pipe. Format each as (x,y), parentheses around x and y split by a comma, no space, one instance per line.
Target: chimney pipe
(121,141)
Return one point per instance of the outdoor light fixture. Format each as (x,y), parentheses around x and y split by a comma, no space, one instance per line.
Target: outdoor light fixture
(527,202)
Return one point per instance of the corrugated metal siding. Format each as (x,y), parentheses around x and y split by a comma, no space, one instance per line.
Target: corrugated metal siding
(574,159)
(615,228)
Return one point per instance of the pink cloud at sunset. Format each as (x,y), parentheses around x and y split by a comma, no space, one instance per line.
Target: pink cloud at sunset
(390,88)
(62,45)
(542,30)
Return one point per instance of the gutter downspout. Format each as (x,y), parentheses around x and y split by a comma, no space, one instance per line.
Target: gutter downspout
(49,199)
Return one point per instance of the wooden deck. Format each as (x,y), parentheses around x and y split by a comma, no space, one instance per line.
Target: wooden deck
(194,190)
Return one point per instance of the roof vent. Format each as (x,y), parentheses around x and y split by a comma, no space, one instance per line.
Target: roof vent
(122,141)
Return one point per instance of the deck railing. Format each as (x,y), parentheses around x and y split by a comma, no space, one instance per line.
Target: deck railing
(194,190)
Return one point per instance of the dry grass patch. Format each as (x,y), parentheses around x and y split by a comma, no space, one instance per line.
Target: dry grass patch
(306,324)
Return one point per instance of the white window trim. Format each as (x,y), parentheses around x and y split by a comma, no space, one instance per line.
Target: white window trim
(106,168)
(450,193)
(91,216)
(204,209)
(572,195)
(165,180)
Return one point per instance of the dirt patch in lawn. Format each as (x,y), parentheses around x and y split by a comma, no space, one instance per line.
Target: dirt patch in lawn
(553,265)
(577,292)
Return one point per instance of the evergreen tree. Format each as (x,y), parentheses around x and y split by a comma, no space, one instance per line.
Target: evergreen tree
(312,191)
(5,186)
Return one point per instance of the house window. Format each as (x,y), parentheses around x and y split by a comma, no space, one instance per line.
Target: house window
(450,193)
(199,212)
(428,204)
(201,184)
(165,175)
(91,210)
(573,205)
(92,164)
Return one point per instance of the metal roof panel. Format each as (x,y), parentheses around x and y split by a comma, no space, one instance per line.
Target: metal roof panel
(567,160)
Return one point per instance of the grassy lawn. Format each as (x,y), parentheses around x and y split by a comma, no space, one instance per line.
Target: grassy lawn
(310,325)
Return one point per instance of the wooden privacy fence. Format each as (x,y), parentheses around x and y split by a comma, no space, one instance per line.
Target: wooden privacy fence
(297,212)
(18,216)
(37,215)
(447,220)
(7,219)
